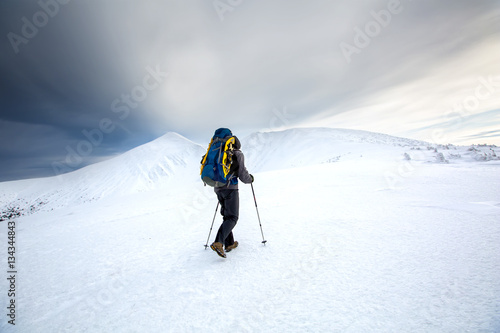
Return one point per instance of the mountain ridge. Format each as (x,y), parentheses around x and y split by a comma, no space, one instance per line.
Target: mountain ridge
(172,161)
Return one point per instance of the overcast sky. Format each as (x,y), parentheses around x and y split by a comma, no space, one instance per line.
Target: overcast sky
(85,80)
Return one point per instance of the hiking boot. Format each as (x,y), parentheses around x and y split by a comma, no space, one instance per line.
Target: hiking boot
(233,246)
(217,247)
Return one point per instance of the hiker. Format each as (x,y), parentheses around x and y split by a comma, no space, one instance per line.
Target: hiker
(227,193)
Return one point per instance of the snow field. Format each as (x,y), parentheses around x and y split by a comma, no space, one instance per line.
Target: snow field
(347,251)
(343,254)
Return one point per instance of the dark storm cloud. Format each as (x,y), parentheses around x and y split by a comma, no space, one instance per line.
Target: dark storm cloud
(242,65)
(64,81)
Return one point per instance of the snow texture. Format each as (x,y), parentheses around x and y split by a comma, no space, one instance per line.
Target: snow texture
(366,233)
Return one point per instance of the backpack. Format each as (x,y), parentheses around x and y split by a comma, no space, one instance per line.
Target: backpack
(216,163)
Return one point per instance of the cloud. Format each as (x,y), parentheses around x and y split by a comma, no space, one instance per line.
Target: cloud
(463,82)
(263,56)
(485,134)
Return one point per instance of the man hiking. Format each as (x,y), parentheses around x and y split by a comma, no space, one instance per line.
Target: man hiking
(227,193)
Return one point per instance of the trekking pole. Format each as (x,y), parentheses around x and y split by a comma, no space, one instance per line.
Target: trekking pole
(263,239)
(216,208)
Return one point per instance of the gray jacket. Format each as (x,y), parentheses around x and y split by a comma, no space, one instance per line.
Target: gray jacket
(241,172)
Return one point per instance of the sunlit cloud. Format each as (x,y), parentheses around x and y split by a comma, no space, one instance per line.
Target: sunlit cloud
(414,63)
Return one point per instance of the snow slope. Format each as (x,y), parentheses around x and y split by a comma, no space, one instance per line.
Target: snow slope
(153,165)
(308,146)
(368,242)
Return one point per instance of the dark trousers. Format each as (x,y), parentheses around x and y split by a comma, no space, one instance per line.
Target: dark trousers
(230,206)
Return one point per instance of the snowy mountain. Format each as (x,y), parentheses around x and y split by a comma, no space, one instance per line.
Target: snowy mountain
(309,146)
(365,233)
(162,162)
(173,158)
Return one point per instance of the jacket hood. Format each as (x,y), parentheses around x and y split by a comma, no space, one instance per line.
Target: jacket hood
(237,143)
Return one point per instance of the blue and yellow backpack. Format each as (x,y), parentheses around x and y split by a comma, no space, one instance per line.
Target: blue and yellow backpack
(216,163)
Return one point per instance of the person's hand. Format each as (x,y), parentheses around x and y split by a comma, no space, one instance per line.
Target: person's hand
(252,178)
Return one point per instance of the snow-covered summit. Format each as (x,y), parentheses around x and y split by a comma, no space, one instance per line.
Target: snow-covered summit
(307,146)
(172,161)
(349,249)
(155,164)
(340,135)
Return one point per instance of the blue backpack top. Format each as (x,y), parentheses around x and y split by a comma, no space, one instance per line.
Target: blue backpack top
(216,163)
